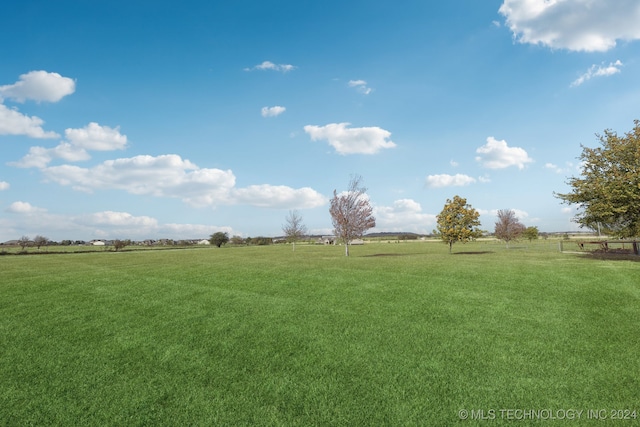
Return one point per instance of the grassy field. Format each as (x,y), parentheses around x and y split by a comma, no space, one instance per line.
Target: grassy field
(396,334)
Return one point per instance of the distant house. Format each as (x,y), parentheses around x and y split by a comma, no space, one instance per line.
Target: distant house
(357,242)
(97,242)
(327,240)
(204,242)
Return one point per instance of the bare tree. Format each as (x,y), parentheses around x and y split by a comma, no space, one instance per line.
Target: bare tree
(508,227)
(120,244)
(40,241)
(24,241)
(293,228)
(351,212)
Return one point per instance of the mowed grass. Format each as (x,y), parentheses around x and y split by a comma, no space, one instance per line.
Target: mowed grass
(396,334)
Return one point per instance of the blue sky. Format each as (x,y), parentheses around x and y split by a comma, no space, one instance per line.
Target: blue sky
(157,119)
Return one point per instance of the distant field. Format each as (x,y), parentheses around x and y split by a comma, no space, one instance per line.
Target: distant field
(396,334)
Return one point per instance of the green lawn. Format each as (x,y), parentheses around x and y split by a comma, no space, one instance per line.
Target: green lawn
(396,334)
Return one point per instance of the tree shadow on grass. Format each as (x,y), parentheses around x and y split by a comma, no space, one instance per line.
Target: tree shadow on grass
(378,255)
(614,255)
(473,253)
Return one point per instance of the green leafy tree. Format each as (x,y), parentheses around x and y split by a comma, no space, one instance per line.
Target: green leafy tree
(530,233)
(293,228)
(351,212)
(508,227)
(458,222)
(219,238)
(608,192)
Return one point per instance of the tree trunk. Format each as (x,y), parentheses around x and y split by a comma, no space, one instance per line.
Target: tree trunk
(346,249)
(450,245)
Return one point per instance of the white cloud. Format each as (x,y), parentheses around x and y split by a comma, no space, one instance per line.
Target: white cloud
(4,185)
(268,65)
(106,225)
(91,137)
(498,155)
(361,86)
(162,176)
(404,215)
(12,122)
(598,71)
(454,163)
(40,157)
(39,86)
(23,208)
(278,196)
(272,111)
(444,180)
(558,169)
(365,140)
(578,25)
(553,167)
(171,176)
(97,138)
(119,219)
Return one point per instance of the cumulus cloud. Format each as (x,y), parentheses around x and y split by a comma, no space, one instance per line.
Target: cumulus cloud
(20,207)
(361,86)
(12,122)
(119,219)
(498,155)
(598,71)
(105,225)
(4,185)
(40,157)
(364,140)
(268,65)
(404,215)
(97,138)
(577,25)
(171,176)
(91,137)
(278,196)
(272,111)
(39,86)
(444,180)
(161,176)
